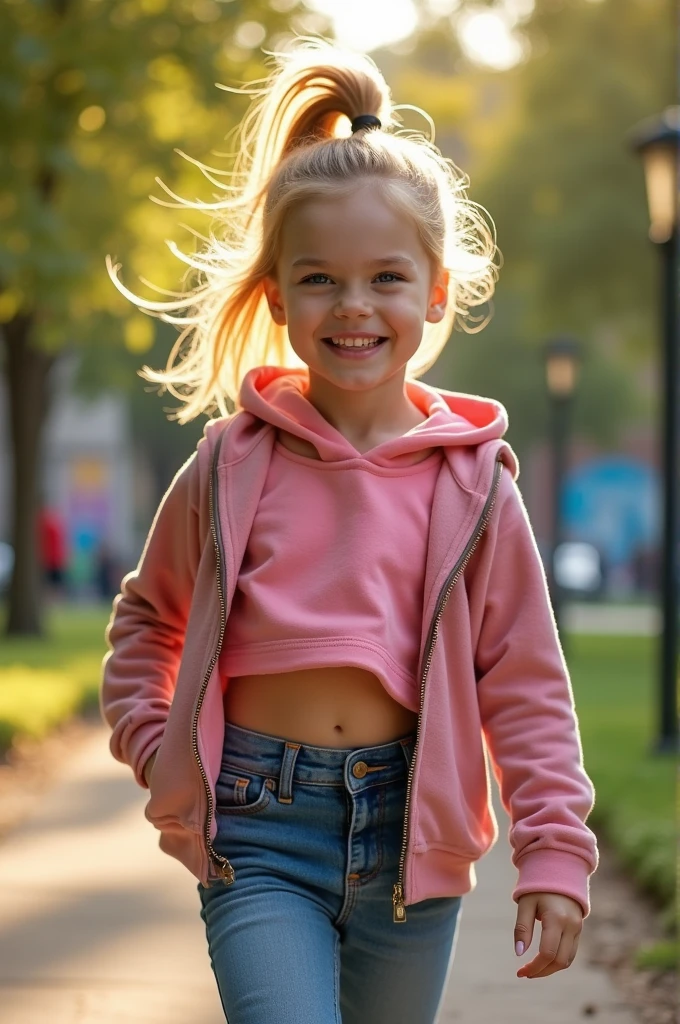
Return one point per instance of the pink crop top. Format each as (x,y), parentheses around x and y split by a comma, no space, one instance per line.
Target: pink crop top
(334,569)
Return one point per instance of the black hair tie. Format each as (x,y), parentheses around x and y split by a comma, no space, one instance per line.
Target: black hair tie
(365,121)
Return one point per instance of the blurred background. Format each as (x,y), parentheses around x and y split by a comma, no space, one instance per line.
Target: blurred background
(534,101)
(540,102)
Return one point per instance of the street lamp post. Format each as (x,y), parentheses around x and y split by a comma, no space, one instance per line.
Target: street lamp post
(657,140)
(562,356)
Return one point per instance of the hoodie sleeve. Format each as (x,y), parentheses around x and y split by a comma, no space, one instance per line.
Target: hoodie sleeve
(527,708)
(145,634)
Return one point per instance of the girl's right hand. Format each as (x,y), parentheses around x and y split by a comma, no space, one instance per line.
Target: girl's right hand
(148,767)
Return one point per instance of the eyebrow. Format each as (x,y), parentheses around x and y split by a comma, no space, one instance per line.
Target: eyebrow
(310,261)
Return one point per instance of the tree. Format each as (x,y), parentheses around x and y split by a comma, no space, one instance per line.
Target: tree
(568,196)
(544,145)
(93,96)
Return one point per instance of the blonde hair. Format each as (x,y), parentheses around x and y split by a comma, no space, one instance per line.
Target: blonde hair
(295,143)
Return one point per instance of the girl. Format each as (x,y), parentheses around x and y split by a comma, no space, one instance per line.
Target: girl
(340,610)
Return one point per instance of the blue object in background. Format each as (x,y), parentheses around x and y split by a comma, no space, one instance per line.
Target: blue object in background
(615,504)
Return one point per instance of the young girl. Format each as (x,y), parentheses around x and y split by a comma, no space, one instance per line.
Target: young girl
(340,616)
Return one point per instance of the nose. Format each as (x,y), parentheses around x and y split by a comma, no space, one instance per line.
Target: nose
(353,303)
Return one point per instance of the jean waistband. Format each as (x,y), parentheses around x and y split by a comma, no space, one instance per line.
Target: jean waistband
(273,755)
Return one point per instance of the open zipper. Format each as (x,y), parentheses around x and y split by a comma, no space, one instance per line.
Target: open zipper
(224,870)
(399,908)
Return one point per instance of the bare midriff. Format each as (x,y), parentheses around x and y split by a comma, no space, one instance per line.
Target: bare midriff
(324,707)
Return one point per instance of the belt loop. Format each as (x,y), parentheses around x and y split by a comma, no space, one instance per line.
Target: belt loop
(287,768)
(407,746)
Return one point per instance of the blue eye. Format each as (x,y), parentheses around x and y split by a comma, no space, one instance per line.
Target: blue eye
(313,279)
(392,275)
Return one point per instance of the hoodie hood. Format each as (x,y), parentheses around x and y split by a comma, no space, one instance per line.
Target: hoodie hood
(277,396)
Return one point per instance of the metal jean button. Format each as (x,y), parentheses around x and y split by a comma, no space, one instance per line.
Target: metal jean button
(359,769)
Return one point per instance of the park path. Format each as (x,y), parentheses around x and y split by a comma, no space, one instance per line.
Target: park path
(96,925)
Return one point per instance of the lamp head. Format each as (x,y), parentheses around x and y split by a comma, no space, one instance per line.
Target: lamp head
(562,359)
(657,140)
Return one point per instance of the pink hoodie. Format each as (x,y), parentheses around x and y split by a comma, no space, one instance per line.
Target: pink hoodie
(335,565)
(493,682)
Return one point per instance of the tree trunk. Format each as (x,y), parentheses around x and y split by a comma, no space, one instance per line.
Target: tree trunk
(27,372)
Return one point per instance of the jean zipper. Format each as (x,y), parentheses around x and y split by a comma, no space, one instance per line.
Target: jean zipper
(224,869)
(399,908)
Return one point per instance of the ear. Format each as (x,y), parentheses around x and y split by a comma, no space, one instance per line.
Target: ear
(274,300)
(439,296)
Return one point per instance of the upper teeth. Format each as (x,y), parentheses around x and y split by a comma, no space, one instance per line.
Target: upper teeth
(355,342)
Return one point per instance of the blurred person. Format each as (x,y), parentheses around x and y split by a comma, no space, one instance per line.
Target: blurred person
(341,606)
(646,568)
(52,549)
(107,572)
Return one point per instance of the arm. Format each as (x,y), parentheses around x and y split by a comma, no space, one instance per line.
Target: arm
(527,708)
(145,635)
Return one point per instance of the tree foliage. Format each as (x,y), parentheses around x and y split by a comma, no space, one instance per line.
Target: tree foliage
(545,146)
(94,95)
(567,192)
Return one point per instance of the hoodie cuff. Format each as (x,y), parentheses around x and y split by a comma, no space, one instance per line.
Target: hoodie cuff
(554,871)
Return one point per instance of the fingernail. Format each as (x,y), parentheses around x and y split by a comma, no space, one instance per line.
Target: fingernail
(519,948)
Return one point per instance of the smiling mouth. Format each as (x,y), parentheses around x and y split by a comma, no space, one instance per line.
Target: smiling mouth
(371,341)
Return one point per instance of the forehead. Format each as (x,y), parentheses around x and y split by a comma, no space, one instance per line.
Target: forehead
(361,225)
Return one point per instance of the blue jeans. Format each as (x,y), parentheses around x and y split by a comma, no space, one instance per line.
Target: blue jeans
(304,935)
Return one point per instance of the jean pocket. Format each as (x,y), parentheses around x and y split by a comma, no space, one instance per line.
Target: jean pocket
(242,792)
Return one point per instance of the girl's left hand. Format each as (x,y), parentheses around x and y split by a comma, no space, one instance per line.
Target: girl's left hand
(561,922)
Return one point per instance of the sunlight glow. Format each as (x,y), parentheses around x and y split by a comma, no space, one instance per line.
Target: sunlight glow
(364,25)
(486,38)
(441,8)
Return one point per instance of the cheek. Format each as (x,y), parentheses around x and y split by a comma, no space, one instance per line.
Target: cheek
(305,308)
(409,307)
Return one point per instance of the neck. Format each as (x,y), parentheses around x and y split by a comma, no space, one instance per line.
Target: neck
(364,416)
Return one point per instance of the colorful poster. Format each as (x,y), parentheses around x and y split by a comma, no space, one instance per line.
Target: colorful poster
(89,514)
(614,503)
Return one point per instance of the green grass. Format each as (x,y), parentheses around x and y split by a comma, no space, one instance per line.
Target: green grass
(615,682)
(662,956)
(44,682)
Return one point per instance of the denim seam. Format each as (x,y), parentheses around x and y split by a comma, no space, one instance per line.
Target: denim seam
(380,784)
(336,978)
(361,789)
(348,904)
(339,785)
(363,879)
(238,769)
(349,887)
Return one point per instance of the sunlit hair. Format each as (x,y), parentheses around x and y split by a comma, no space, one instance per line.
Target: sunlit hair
(296,144)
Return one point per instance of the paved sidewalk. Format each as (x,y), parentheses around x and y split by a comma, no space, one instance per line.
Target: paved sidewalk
(96,925)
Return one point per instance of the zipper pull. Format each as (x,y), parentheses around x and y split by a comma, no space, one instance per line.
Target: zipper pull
(226,872)
(399,915)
